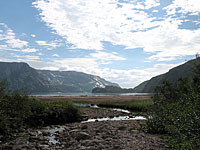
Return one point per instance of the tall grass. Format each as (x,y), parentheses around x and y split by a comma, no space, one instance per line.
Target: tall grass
(133,105)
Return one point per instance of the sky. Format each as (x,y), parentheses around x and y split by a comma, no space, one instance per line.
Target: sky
(123,41)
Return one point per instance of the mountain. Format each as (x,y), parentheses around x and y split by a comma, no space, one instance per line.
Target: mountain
(20,76)
(185,70)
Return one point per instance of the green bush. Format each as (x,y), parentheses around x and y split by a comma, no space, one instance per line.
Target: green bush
(48,113)
(14,109)
(176,112)
(19,111)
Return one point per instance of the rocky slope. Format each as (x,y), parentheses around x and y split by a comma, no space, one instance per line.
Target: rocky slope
(20,76)
(185,70)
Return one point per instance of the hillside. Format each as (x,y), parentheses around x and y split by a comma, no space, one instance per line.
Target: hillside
(185,70)
(20,76)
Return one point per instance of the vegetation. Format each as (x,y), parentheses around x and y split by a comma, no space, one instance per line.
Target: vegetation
(19,111)
(133,105)
(176,112)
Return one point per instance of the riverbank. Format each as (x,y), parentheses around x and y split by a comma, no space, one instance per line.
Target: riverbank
(99,135)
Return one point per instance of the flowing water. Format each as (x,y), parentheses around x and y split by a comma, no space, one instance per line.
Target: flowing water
(114,118)
(54,130)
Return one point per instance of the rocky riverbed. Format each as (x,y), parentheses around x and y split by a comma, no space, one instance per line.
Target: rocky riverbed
(98,135)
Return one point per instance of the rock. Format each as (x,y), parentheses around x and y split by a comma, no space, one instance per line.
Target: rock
(84,127)
(17,147)
(74,131)
(101,146)
(116,146)
(82,136)
(45,133)
(32,134)
(44,146)
(39,132)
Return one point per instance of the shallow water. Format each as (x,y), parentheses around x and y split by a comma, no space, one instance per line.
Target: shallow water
(52,131)
(87,105)
(53,140)
(95,106)
(116,118)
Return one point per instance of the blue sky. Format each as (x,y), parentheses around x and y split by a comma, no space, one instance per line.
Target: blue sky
(123,41)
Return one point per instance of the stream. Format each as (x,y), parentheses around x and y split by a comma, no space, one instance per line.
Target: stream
(127,117)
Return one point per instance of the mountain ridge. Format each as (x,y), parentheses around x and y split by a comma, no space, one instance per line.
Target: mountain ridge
(19,75)
(184,70)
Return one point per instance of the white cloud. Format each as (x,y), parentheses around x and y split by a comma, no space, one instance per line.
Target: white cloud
(50,45)
(77,64)
(151,3)
(184,6)
(2,47)
(106,56)
(25,58)
(8,37)
(16,43)
(55,55)
(28,57)
(33,35)
(85,24)
(29,50)
(40,54)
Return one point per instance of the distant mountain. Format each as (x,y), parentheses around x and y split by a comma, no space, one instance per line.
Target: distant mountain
(111,89)
(20,76)
(185,70)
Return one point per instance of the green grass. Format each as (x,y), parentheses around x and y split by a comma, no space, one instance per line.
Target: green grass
(134,105)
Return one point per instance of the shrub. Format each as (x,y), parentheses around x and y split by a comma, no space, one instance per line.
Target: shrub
(14,109)
(176,112)
(19,111)
(48,113)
